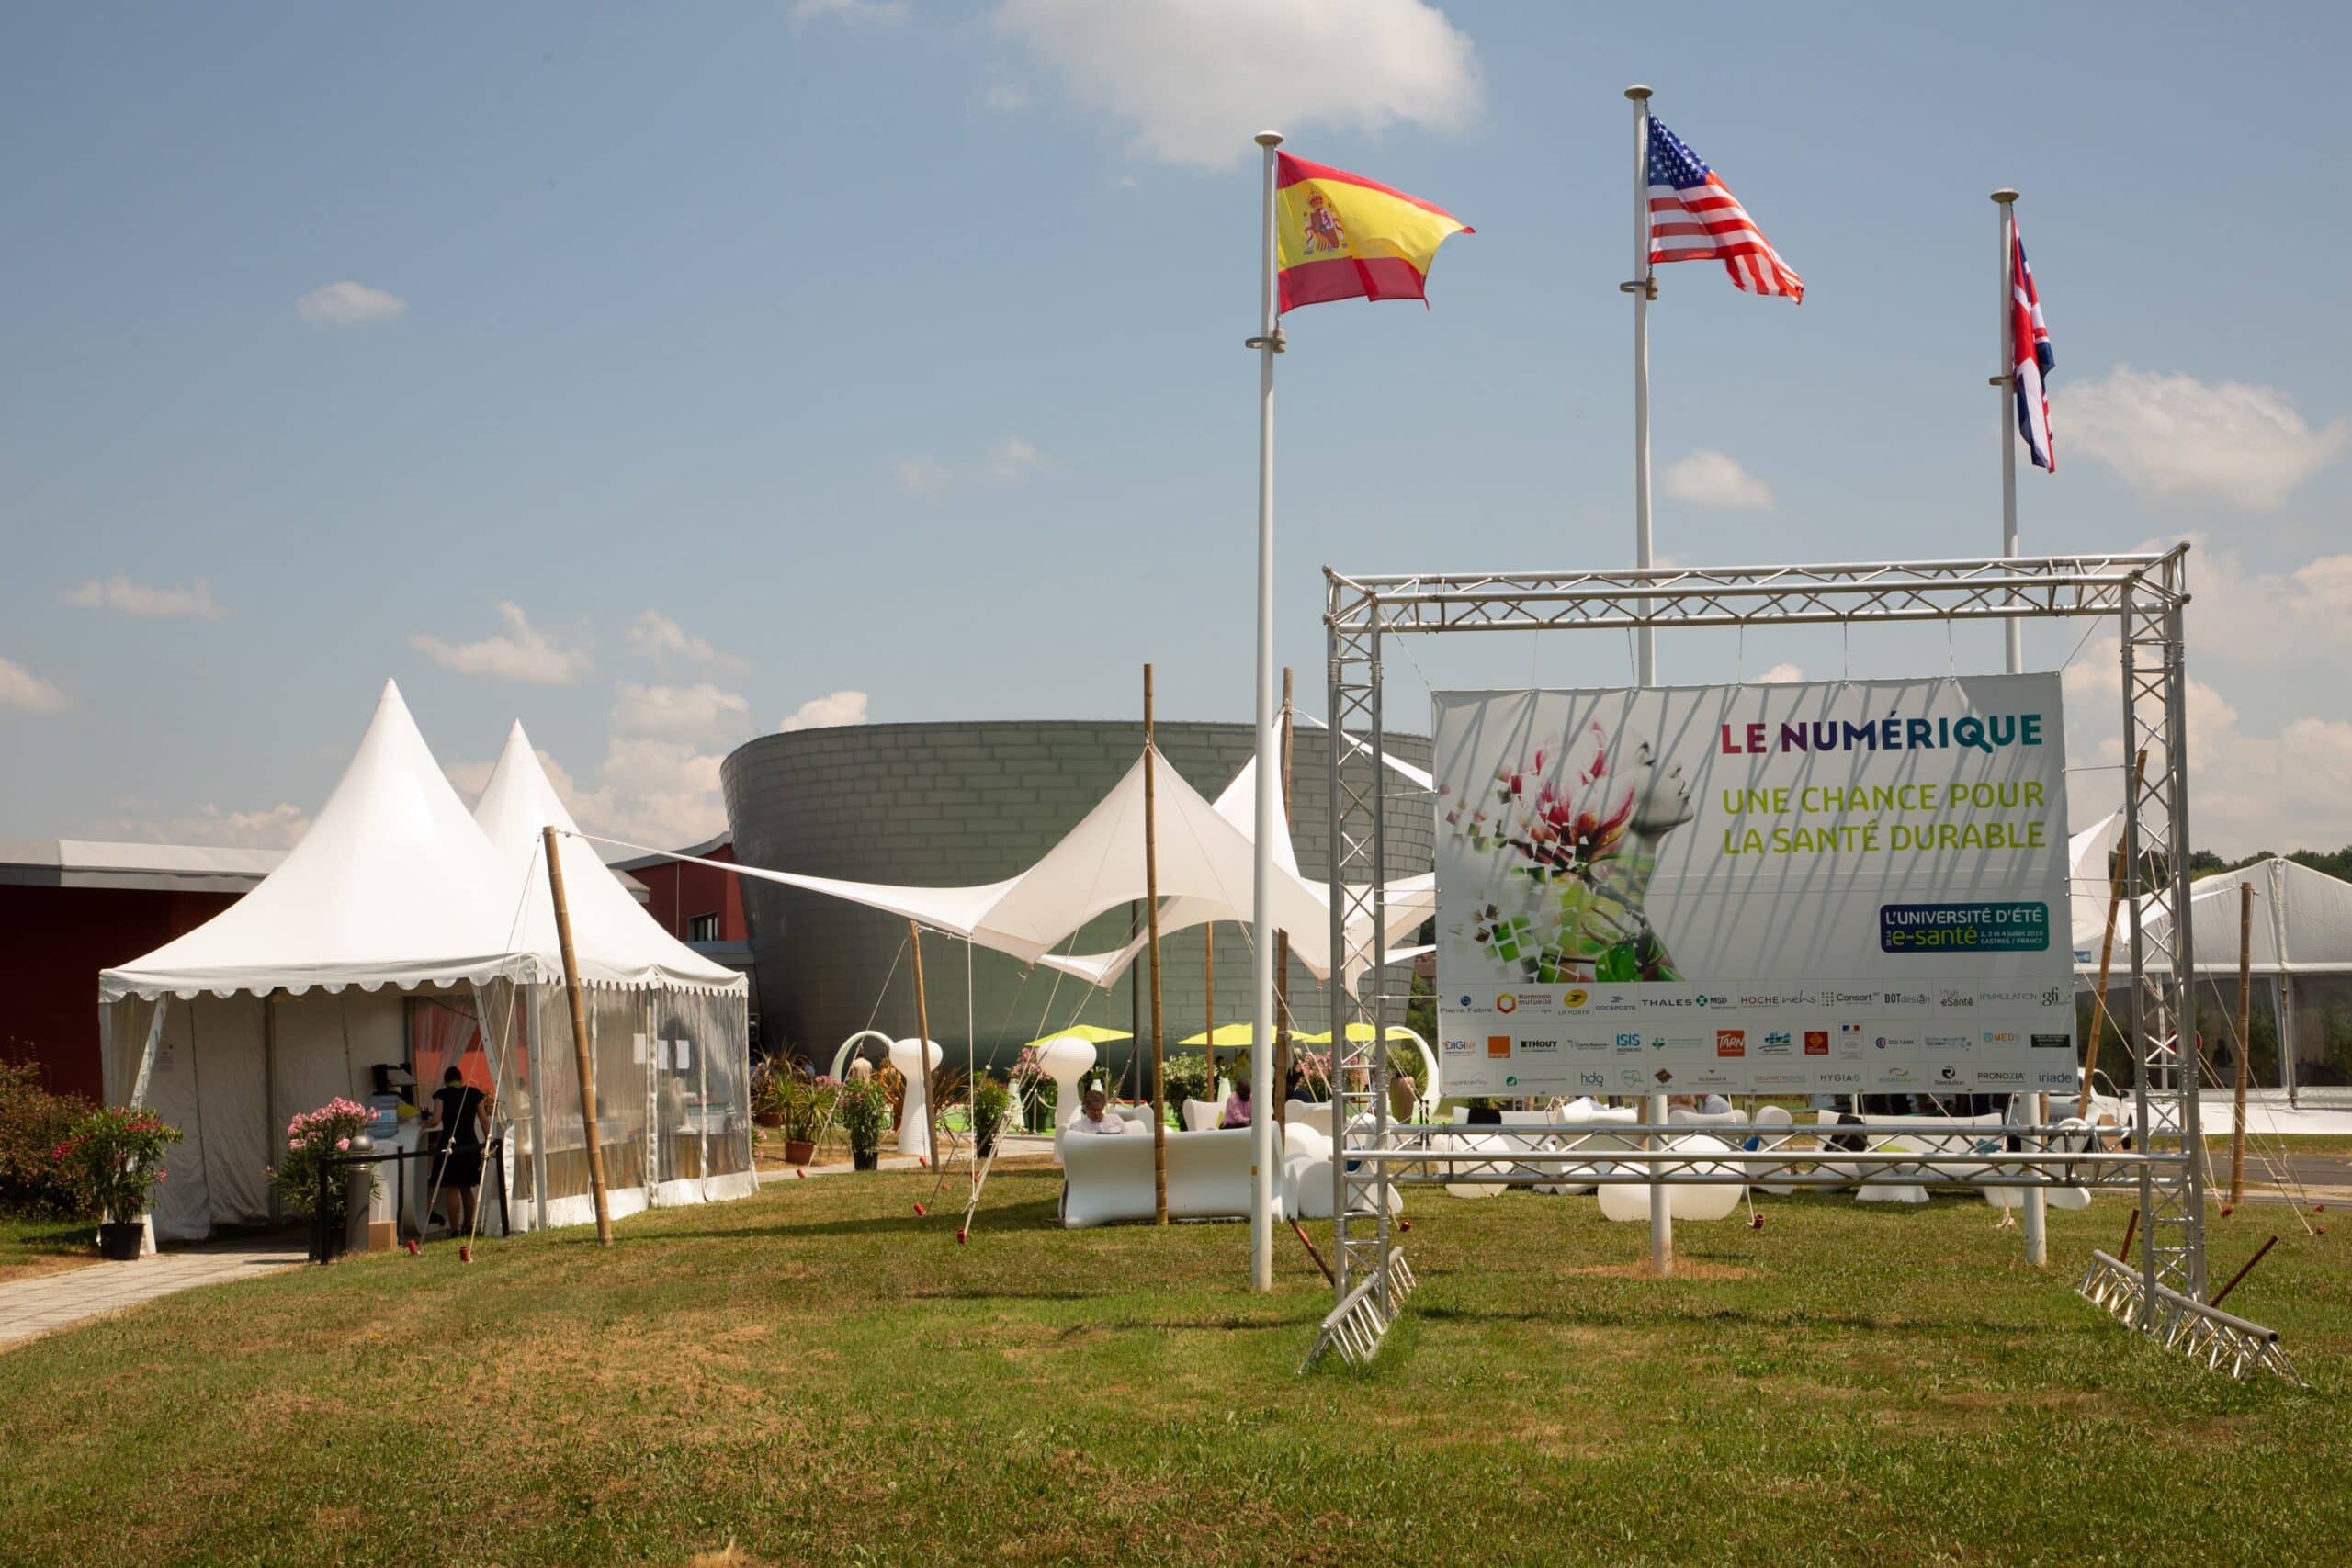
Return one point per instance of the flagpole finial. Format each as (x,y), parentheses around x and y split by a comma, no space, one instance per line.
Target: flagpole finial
(1270,139)
(1639,92)
(2004,196)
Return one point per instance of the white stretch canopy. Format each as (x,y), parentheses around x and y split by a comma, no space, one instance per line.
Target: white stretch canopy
(2303,920)
(392,885)
(1204,861)
(615,941)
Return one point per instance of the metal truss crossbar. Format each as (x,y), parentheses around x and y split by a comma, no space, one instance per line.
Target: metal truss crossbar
(2220,1341)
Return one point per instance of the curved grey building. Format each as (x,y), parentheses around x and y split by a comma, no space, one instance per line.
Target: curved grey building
(958,804)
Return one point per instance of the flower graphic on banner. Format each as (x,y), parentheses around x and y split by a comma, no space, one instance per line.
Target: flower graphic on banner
(1571,838)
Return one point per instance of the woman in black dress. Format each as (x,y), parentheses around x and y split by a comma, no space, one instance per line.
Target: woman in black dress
(460,1114)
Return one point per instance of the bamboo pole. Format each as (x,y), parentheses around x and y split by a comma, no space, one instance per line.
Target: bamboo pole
(922,1051)
(1280,1088)
(2122,859)
(2246,1009)
(1208,969)
(1151,917)
(579,1039)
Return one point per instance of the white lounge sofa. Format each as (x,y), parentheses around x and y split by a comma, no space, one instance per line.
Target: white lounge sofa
(1110,1179)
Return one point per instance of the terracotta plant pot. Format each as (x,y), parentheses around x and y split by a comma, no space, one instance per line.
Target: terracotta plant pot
(799,1151)
(768,1119)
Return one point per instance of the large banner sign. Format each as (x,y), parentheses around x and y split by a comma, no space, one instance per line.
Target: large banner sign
(1835,888)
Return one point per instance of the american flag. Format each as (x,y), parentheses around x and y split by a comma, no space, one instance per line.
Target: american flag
(1694,217)
(2030,350)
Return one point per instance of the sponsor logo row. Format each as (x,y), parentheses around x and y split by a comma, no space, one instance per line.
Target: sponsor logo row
(1844,1042)
(1535,1077)
(1931,1001)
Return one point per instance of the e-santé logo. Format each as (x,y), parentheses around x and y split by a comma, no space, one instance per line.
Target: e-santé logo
(1731,1042)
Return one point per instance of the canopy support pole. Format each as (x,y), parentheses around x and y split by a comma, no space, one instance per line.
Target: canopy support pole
(1280,1087)
(922,1050)
(579,1051)
(2244,1042)
(2122,858)
(1151,916)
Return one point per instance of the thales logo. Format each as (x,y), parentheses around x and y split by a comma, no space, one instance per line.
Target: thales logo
(1575,997)
(1506,1002)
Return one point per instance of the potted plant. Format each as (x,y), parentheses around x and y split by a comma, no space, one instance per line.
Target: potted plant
(312,1139)
(863,1108)
(771,1087)
(808,1102)
(116,1157)
(991,1099)
(1037,1089)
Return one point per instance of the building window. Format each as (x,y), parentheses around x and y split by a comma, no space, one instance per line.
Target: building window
(703,927)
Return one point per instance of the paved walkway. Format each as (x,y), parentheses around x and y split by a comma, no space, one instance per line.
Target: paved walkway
(47,1302)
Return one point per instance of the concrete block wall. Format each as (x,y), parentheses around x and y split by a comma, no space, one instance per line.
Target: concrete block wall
(942,804)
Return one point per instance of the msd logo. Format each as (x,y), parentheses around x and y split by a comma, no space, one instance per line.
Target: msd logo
(1731,1042)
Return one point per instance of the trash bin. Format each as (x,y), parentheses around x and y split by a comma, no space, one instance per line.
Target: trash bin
(359,1198)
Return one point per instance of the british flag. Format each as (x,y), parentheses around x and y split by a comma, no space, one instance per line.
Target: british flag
(2029,347)
(1694,217)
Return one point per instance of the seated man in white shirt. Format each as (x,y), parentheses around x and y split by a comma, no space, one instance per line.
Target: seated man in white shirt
(1095,1117)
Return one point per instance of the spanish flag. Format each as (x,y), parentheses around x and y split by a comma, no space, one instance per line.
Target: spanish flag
(1338,236)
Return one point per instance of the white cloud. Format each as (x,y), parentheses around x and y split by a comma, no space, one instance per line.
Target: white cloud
(2246,792)
(2265,617)
(699,712)
(2241,444)
(807,11)
(275,827)
(349,305)
(124,597)
(1192,81)
(656,637)
(1782,675)
(923,475)
(833,707)
(24,692)
(1003,95)
(1008,460)
(523,652)
(652,790)
(1710,479)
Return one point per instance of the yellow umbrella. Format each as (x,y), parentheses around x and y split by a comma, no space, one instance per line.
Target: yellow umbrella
(1358,1034)
(1226,1034)
(1092,1033)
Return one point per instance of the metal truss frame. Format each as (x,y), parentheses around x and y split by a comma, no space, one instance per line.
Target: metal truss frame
(2143,593)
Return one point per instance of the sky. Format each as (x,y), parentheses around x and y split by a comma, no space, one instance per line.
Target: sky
(664,377)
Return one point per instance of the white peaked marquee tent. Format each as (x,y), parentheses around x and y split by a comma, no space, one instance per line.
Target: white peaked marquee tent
(668,1028)
(384,936)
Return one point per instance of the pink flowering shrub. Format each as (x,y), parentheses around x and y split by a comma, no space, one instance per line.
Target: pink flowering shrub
(310,1137)
(114,1157)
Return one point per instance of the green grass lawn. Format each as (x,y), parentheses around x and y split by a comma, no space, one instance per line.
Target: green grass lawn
(43,1246)
(817,1375)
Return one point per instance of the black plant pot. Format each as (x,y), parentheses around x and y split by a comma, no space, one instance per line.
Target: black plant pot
(119,1244)
(987,1145)
(865,1159)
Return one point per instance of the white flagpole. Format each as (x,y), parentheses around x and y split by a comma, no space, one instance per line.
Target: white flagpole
(2037,1210)
(1264,1092)
(2013,628)
(1646,647)
(1644,290)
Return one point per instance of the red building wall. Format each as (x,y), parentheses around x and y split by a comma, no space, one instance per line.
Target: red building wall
(678,892)
(53,941)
